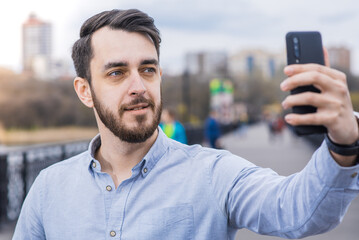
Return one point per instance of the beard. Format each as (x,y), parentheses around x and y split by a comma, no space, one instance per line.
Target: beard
(138,134)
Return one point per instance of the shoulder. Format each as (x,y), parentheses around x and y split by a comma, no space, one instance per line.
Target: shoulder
(59,180)
(67,168)
(212,158)
(73,161)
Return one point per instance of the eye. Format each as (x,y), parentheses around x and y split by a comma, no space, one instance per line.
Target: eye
(116,73)
(149,70)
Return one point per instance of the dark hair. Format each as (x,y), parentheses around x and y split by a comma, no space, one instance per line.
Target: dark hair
(131,20)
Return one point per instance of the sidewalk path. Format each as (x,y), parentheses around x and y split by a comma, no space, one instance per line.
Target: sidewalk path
(6,231)
(286,155)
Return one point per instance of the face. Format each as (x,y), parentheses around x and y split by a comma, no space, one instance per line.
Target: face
(125,85)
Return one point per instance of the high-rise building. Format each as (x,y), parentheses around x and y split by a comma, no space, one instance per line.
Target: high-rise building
(339,58)
(37,48)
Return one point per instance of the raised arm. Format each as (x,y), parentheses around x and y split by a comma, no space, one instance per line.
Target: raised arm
(334,107)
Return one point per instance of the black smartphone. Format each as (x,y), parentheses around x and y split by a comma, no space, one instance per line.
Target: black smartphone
(305,47)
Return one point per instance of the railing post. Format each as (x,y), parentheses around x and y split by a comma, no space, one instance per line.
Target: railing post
(4,181)
(63,152)
(24,172)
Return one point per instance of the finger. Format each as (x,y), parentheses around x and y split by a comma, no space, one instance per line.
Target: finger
(319,80)
(326,57)
(304,99)
(304,119)
(300,68)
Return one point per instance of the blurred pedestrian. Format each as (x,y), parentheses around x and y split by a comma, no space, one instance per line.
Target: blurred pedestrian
(172,127)
(276,125)
(212,130)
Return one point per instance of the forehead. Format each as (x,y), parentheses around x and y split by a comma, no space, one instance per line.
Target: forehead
(119,45)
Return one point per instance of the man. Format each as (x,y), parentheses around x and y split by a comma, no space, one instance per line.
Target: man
(135,183)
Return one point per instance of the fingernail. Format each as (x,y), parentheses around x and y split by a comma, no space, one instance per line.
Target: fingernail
(284,105)
(288,70)
(284,86)
(288,118)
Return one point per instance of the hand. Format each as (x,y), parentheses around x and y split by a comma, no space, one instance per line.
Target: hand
(334,107)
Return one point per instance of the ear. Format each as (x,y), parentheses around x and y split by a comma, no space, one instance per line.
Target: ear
(83,90)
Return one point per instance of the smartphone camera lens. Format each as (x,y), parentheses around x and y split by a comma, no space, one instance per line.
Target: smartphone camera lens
(296,47)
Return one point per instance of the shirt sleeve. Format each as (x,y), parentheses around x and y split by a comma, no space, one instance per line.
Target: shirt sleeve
(310,202)
(29,225)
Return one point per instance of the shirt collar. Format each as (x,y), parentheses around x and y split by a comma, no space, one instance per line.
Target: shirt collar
(155,153)
(93,146)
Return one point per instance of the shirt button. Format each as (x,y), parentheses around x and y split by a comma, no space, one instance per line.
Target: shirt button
(354,175)
(112,233)
(94,165)
(108,188)
(145,170)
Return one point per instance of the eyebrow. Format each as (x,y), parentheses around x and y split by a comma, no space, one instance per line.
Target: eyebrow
(125,64)
(114,64)
(149,61)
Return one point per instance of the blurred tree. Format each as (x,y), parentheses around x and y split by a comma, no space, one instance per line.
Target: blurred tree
(355,100)
(36,104)
(196,106)
(352,80)
(256,92)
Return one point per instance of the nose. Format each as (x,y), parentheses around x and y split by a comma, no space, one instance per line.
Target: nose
(137,86)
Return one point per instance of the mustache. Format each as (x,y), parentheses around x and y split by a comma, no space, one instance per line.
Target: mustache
(138,100)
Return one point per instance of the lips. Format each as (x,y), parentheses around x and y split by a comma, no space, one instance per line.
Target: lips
(137,104)
(136,107)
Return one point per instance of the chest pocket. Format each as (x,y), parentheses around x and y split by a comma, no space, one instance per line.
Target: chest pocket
(167,223)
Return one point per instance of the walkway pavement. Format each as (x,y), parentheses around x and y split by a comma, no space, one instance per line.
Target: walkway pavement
(285,154)
(6,231)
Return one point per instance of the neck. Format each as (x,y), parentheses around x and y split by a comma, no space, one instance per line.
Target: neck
(117,157)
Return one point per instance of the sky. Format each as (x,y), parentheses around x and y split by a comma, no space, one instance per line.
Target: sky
(191,25)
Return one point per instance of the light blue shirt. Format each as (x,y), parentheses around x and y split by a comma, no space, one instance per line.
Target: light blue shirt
(185,192)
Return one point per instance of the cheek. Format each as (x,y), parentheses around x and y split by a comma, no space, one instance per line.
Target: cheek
(112,99)
(158,98)
(155,93)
